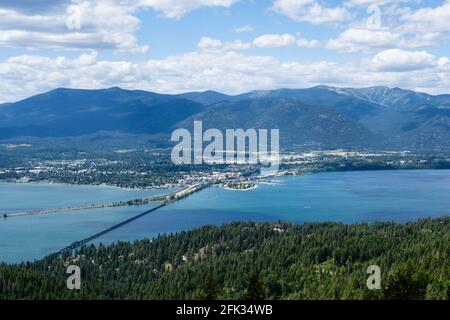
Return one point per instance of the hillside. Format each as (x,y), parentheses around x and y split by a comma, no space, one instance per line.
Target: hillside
(318,117)
(206,97)
(395,97)
(301,125)
(70,112)
(253,261)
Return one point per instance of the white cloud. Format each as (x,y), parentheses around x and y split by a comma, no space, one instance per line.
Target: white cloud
(401,27)
(244,28)
(210,44)
(274,40)
(310,44)
(310,11)
(167,8)
(226,71)
(365,40)
(396,60)
(429,19)
(444,63)
(265,41)
(33,7)
(103,24)
(178,8)
(366,3)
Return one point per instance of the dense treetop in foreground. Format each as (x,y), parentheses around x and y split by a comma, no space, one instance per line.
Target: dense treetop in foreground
(252,261)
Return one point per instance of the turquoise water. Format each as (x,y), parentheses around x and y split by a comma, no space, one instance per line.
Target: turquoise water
(32,237)
(348,197)
(17,197)
(342,196)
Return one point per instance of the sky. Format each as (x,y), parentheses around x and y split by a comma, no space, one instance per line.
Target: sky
(231,46)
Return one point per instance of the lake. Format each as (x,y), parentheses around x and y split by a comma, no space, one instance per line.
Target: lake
(32,237)
(348,197)
(16,197)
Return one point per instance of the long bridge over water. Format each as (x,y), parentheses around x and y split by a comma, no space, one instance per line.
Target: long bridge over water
(169,199)
(135,202)
(77,244)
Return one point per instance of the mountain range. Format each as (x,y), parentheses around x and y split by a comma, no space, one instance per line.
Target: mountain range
(311,118)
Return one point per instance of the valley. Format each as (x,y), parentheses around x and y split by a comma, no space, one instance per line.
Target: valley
(234,150)
(354,157)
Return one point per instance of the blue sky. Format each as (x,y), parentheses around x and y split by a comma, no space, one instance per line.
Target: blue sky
(227,45)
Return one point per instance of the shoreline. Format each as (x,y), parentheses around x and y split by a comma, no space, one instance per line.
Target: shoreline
(165,198)
(443,217)
(46,182)
(179,185)
(243,190)
(182,186)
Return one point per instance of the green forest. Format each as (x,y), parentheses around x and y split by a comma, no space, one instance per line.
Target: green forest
(251,261)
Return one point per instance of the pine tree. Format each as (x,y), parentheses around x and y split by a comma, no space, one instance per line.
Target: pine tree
(254,290)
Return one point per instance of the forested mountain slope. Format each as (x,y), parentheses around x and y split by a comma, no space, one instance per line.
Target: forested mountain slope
(253,261)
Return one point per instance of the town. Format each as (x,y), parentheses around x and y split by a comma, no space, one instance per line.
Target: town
(154,168)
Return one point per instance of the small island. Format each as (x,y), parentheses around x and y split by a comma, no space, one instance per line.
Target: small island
(239,186)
